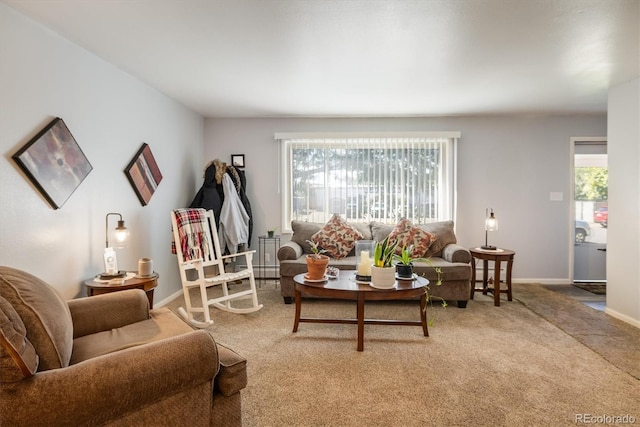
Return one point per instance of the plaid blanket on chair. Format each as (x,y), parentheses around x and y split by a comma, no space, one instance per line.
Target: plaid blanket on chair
(192,226)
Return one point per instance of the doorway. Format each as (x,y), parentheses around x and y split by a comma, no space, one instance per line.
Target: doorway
(590,211)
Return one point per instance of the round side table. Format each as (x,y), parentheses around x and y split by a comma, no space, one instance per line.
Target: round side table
(497,256)
(147,284)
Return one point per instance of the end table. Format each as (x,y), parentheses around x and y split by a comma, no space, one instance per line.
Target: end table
(497,256)
(147,284)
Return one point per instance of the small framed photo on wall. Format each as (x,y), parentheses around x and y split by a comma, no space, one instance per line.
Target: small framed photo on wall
(144,174)
(237,160)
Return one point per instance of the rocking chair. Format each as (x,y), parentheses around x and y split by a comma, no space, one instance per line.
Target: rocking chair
(201,265)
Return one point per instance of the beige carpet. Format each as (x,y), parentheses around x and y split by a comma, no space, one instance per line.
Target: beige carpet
(512,365)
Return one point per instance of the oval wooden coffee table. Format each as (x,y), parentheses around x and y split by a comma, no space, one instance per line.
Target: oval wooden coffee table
(345,287)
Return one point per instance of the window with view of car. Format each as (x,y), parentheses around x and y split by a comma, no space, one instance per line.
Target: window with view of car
(368,177)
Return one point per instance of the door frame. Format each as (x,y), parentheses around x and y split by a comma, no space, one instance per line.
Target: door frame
(572,190)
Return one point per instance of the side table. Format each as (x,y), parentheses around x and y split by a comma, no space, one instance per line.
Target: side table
(497,256)
(264,243)
(147,284)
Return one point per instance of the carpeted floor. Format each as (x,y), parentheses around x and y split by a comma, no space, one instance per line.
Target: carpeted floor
(542,359)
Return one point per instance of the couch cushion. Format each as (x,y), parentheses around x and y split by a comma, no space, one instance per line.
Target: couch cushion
(162,325)
(302,231)
(18,358)
(409,236)
(444,236)
(379,230)
(337,237)
(45,315)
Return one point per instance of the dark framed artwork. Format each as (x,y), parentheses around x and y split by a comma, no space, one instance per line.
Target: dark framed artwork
(237,160)
(54,162)
(143,174)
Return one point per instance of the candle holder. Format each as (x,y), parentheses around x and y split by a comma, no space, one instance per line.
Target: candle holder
(364,259)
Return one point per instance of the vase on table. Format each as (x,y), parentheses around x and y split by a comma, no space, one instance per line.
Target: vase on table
(383,277)
(364,259)
(316,267)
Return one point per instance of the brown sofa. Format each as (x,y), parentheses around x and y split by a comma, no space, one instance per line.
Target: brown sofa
(108,359)
(453,259)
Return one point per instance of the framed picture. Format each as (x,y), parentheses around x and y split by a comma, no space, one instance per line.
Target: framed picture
(54,163)
(143,174)
(237,160)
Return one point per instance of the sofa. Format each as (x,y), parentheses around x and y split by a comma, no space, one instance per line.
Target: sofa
(444,252)
(108,360)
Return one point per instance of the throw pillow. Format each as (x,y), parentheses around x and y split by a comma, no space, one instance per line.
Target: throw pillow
(407,234)
(18,358)
(337,237)
(45,315)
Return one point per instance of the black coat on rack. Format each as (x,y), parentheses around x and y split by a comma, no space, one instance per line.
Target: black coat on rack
(211,194)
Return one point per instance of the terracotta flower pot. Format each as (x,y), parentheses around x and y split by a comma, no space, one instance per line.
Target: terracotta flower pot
(316,266)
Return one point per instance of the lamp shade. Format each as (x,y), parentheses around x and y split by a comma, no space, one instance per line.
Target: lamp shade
(491,223)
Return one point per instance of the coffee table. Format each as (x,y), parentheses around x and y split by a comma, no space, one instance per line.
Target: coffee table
(346,287)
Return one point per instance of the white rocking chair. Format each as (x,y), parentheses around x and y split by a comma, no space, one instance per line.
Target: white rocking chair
(195,232)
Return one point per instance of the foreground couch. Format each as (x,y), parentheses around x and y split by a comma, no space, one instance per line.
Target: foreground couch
(108,359)
(453,259)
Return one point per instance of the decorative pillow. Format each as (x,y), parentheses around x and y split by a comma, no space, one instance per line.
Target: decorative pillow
(407,234)
(337,237)
(18,358)
(44,313)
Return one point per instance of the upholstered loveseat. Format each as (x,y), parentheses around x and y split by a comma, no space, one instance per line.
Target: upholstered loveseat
(108,359)
(444,252)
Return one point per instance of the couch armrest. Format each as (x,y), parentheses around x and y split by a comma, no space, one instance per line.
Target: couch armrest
(290,250)
(456,253)
(232,376)
(106,388)
(108,311)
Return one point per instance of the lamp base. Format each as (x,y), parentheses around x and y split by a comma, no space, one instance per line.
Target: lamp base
(360,278)
(118,275)
(488,247)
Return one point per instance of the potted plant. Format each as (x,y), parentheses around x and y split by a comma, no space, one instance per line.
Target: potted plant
(404,270)
(404,263)
(316,262)
(383,273)
(271,232)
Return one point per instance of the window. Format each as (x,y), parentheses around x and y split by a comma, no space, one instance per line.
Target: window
(368,177)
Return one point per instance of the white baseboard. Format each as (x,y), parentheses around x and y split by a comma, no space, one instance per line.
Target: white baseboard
(623,317)
(167,300)
(545,281)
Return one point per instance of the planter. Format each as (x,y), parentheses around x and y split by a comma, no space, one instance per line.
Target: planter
(404,271)
(383,277)
(316,266)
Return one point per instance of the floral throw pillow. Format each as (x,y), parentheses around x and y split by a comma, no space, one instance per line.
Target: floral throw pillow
(337,237)
(407,234)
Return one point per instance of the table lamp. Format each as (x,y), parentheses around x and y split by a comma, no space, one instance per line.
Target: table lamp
(490,224)
(121,236)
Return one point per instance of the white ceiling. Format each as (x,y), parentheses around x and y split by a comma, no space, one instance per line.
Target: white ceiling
(266,58)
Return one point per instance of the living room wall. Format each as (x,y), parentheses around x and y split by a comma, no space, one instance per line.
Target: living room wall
(110,114)
(623,248)
(508,163)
